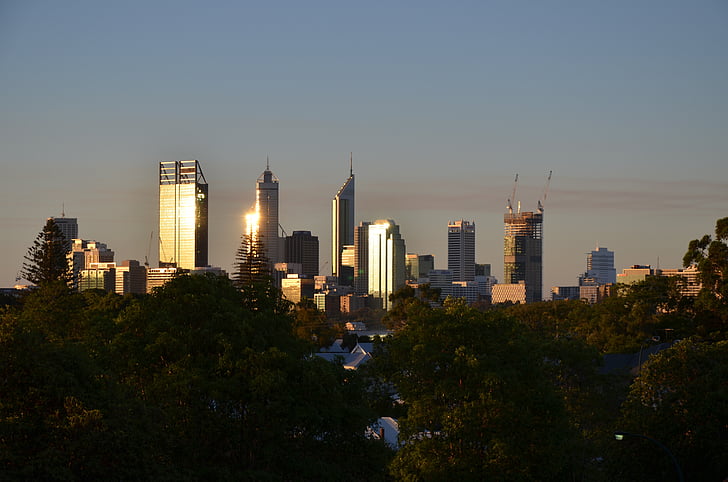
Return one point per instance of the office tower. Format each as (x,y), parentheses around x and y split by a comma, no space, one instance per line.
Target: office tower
(303,248)
(600,266)
(441,279)
(98,276)
(266,209)
(342,229)
(182,215)
(417,266)
(131,277)
(482,269)
(68,226)
(84,252)
(523,252)
(361,258)
(461,250)
(386,260)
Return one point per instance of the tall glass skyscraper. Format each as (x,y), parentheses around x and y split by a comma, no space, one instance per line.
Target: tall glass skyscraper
(342,230)
(523,252)
(600,266)
(386,260)
(182,215)
(461,250)
(266,208)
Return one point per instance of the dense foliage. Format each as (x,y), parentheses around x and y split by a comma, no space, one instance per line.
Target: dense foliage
(185,384)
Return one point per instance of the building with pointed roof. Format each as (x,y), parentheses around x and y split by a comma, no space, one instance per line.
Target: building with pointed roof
(342,229)
(266,208)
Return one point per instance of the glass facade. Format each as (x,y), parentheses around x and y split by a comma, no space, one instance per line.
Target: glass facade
(461,250)
(183,201)
(266,208)
(386,260)
(342,230)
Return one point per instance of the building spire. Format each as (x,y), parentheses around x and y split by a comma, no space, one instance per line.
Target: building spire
(63,210)
(267,163)
(351,164)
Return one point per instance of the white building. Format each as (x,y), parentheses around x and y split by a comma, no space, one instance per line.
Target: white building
(386,260)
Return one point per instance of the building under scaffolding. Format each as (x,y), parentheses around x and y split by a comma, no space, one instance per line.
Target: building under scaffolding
(523,252)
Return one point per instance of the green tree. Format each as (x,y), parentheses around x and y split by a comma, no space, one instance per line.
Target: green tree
(680,398)
(46,260)
(479,402)
(710,255)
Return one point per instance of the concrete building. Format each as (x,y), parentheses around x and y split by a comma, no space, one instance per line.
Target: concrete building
(84,252)
(442,280)
(565,293)
(689,282)
(417,266)
(513,292)
(600,266)
(461,250)
(98,276)
(635,273)
(523,253)
(183,219)
(342,230)
(156,277)
(131,277)
(68,226)
(386,260)
(296,287)
(301,247)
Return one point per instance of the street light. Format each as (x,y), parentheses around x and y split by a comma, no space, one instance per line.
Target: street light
(621,435)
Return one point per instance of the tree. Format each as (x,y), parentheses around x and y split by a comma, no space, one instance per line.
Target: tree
(680,398)
(46,260)
(711,258)
(479,402)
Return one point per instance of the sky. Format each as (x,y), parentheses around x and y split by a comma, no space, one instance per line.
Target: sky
(441,104)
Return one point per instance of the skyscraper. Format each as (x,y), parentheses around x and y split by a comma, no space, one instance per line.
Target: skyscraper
(461,250)
(68,226)
(303,248)
(182,215)
(600,266)
(523,252)
(386,260)
(342,228)
(361,258)
(266,208)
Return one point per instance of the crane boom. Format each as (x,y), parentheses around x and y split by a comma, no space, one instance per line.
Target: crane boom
(512,199)
(545,193)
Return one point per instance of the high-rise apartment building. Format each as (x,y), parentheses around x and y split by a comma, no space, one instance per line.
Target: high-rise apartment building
(386,260)
(303,248)
(342,229)
(600,266)
(266,209)
(182,215)
(461,250)
(523,252)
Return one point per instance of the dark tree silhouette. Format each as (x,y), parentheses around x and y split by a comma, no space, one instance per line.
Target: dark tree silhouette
(251,264)
(47,258)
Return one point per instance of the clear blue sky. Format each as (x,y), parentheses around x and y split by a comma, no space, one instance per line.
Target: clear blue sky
(440,102)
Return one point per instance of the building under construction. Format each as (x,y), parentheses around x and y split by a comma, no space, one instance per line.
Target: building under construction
(523,247)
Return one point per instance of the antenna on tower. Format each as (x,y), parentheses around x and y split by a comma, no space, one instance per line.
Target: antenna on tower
(63,210)
(267,163)
(545,193)
(511,199)
(351,164)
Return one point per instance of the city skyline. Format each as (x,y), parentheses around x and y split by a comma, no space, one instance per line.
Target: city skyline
(626,102)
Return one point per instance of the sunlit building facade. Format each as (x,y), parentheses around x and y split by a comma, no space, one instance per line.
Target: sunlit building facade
(342,230)
(266,209)
(386,260)
(523,253)
(183,218)
(600,266)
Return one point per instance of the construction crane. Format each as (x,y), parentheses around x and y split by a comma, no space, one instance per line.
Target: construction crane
(512,199)
(149,248)
(545,193)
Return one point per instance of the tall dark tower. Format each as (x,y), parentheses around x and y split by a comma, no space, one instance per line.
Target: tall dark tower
(342,228)
(266,207)
(182,215)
